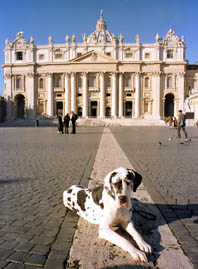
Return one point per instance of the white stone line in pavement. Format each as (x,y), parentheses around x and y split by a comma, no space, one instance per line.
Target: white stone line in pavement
(89,252)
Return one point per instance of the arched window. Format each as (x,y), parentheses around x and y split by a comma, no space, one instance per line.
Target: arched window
(41,83)
(169,82)
(92,82)
(58,82)
(19,83)
(79,83)
(108,83)
(128,82)
(146,82)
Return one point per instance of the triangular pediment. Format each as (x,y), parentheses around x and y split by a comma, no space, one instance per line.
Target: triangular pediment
(93,57)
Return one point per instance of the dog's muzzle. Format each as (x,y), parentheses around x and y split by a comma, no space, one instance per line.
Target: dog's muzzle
(123,201)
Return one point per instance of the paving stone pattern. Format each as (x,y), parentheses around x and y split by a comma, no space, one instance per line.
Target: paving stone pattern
(170,174)
(36,166)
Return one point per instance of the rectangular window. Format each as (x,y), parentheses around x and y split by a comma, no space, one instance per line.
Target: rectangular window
(128,54)
(147,55)
(19,55)
(92,82)
(41,56)
(18,83)
(108,54)
(79,94)
(169,54)
(108,94)
(128,94)
(58,56)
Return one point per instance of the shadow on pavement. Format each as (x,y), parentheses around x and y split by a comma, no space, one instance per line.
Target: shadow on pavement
(14,180)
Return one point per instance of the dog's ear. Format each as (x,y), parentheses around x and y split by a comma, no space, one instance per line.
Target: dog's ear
(108,183)
(135,177)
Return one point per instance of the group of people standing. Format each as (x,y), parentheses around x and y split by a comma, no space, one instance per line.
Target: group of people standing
(64,123)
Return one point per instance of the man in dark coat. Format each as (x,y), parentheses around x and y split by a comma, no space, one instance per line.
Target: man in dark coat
(73,119)
(66,123)
(60,124)
(181,125)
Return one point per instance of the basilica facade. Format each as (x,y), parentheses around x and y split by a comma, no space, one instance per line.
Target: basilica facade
(100,77)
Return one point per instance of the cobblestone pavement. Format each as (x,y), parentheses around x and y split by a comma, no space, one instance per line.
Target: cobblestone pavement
(170,173)
(36,165)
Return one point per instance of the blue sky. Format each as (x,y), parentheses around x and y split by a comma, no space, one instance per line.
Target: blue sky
(41,18)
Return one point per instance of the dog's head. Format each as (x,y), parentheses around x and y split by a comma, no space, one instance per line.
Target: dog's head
(119,184)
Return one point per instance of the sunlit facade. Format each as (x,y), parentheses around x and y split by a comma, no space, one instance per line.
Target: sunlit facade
(100,77)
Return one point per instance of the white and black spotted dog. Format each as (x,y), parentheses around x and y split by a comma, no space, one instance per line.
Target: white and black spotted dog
(109,205)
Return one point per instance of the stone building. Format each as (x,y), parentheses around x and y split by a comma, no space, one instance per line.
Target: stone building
(100,77)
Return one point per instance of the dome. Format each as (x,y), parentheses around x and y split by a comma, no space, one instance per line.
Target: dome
(101,34)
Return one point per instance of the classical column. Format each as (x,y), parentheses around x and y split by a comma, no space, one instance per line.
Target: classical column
(31,96)
(121,95)
(73,92)
(9,90)
(180,90)
(137,95)
(50,102)
(156,96)
(114,95)
(102,96)
(85,95)
(67,103)
(176,107)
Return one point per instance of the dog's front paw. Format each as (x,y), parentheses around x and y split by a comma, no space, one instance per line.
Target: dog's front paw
(139,256)
(144,246)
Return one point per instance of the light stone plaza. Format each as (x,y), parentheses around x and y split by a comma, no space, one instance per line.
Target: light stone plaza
(37,165)
(101,77)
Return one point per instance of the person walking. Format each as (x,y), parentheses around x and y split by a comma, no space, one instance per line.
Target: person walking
(181,123)
(66,123)
(73,119)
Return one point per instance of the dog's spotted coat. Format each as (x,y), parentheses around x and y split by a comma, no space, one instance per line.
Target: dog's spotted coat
(109,205)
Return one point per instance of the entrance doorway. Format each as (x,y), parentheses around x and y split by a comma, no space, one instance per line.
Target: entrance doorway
(20,106)
(169,105)
(94,105)
(128,109)
(59,108)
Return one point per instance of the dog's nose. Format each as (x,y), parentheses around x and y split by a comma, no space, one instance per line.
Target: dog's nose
(123,199)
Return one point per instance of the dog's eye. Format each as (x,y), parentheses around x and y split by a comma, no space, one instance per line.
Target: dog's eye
(118,185)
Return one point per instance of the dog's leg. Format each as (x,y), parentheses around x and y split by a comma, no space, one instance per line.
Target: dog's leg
(129,227)
(108,234)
